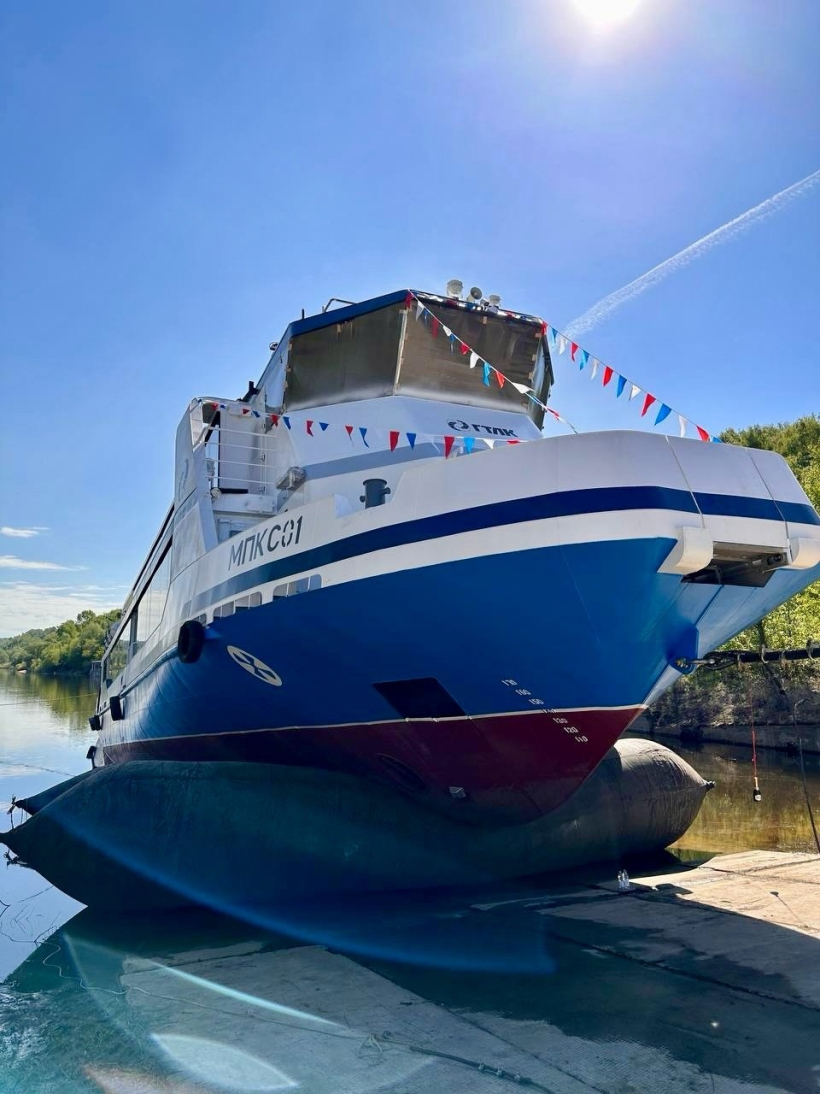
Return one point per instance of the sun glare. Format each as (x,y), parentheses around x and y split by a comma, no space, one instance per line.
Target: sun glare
(606,12)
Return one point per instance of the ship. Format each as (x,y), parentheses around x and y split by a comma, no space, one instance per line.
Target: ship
(376,562)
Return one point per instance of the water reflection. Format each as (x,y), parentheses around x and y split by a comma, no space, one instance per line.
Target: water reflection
(730,820)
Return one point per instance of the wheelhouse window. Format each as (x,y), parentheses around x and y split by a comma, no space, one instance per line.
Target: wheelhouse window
(391,352)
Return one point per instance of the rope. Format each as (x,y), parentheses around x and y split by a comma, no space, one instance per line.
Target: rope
(756,795)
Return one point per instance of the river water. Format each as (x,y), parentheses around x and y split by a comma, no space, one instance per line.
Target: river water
(61,1024)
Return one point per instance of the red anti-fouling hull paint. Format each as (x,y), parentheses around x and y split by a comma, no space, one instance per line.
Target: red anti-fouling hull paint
(499,769)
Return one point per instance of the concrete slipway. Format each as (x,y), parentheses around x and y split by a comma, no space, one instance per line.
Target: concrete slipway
(703,979)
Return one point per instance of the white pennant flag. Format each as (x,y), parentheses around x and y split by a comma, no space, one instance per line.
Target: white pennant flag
(594,368)
(488,442)
(562,343)
(473,359)
(419,309)
(520,387)
(682,421)
(446,331)
(635,391)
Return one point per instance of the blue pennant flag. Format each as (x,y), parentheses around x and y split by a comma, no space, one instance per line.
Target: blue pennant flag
(664,412)
(486,373)
(363,430)
(621,386)
(468,444)
(411,439)
(286,420)
(255,413)
(583,358)
(717,440)
(323,426)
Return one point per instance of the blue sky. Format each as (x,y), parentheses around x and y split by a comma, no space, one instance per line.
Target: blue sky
(180,180)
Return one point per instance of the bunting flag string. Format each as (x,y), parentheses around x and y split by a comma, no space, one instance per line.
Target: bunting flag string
(558,343)
(381,437)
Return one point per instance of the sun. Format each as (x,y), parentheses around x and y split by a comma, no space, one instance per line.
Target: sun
(606,12)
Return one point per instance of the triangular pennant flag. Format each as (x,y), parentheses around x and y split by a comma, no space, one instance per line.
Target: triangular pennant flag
(323,426)
(682,424)
(663,413)
(489,443)
(635,391)
(621,386)
(274,419)
(255,413)
(543,329)
(419,309)
(704,436)
(436,326)
(582,360)
(349,429)
(473,359)
(520,387)
(608,374)
(465,349)
(394,438)
(448,444)
(411,439)
(446,332)
(286,420)
(245,410)
(594,371)
(554,413)
(573,349)
(716,440)
(562,343)
(408,300)
(486,373)
(513,442)
(647,403)
(500,378)
(309,426)
(469,444)
(363,431)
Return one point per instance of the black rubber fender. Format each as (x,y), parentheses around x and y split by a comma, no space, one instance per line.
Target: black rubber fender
(190,642)
(115,708)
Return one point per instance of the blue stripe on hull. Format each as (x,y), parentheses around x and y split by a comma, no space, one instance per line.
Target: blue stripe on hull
(516,511)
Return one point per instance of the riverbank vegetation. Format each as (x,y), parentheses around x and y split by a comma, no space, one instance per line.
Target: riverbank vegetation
(67,648)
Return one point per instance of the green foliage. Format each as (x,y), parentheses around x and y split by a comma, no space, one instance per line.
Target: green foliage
(70,647)
(798,620)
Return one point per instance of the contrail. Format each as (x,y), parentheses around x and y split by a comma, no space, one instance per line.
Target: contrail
(609,304)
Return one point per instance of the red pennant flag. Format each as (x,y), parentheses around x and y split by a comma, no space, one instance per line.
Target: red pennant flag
(465,349)
(513,442)
(309,426)
(394,438)
(408,300)
(573,349)
(436,326)
(245,410)
(448,445)
(608,372)
(274,419)
(647,403)
(349,429)
(500,378)
(543,331)
(704,436)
